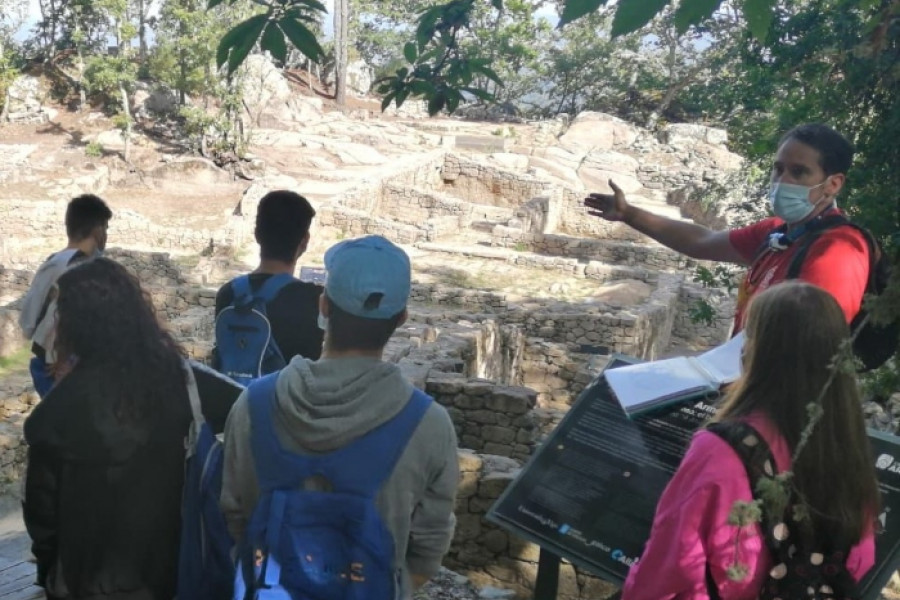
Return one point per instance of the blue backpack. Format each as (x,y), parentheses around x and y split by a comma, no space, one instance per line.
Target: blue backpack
(310,545)
(245,346)
(205,567)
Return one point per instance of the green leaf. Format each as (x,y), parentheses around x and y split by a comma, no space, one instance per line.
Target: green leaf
(302,38)
(422,88)
(387,101)
(228,40)
(480,94)
(254,27)
(425,28)
(575,9)
(237,43)
(491,74)
(631,15)
(410,52)
(273,42)
(693,12)
(759,15)
(453,101)
(312,4)
(402,95)
(436,104)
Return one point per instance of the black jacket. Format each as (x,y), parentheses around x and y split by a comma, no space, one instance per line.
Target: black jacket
(102,498)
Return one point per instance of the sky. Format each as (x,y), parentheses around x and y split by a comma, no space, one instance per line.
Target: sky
(34,15)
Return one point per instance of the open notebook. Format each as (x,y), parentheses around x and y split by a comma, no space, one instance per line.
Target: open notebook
(644,386)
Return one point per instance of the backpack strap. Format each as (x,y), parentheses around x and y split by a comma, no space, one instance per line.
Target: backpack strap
(758,461)
(813,233)
(361,467)
(196,409)
(243,293)
(273,285)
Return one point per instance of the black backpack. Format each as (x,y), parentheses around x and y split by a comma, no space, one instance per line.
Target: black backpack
(874,344)
(797,572)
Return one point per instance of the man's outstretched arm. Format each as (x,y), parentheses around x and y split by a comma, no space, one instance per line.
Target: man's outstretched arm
(687,238)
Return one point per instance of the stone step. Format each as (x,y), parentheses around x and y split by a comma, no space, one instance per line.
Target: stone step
(658,208)
(468,250)
(324,190)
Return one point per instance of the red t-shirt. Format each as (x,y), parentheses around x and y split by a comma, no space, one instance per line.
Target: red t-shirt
(838,262)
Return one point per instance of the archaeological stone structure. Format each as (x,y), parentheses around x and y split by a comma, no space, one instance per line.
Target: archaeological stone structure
(519,295)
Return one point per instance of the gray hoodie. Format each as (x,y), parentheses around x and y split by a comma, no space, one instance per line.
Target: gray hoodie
(325,404)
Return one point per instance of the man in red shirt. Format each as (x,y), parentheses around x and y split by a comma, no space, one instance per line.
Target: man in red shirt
(808,173)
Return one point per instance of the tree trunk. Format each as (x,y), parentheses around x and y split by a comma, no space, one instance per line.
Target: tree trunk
(142,30)
(126,110)
(82,95)
(4,114)
(341,16)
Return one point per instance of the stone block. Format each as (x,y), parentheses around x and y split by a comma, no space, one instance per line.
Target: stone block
(500,435)
(514,400)
(485,417)
(504,450)
(479,506)
(469,462)
(468,402)
(493,484)
(478,388)
(468,527)
(445,384)
(495,541)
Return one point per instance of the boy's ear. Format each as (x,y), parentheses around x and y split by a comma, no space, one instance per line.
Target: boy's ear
(304,244)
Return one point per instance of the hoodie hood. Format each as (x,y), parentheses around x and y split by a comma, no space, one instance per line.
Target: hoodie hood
(325,404)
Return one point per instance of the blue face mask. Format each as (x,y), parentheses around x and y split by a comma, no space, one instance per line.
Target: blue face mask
(791,202)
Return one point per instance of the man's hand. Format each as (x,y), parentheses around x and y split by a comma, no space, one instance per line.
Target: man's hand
(612,207)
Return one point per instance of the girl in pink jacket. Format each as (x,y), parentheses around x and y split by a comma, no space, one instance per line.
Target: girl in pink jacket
(792,332)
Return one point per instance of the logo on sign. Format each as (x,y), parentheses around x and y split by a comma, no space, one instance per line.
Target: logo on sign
(619,556)
(884,461)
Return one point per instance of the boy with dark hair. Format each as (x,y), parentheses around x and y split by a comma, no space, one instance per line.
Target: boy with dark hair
(87,220)
(346,426)
(283,220)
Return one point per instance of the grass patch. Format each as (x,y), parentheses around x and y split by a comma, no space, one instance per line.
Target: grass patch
(188,261)
(17,361)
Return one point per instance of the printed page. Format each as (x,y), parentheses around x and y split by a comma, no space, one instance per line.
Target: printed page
(723,363)
(643,385)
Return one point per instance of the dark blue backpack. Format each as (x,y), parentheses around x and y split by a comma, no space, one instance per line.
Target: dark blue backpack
(303,544)
(205,567)
(245,346)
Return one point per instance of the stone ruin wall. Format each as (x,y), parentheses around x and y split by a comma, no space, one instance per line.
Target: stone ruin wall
(478,183)
(491,556)
(534,359)
(28,230)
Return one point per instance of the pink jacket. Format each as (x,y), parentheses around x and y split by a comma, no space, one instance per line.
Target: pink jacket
(690,527)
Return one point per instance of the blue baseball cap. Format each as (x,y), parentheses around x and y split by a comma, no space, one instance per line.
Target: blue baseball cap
(368,277)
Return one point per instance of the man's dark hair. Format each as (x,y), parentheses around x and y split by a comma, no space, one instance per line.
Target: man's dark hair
(835,151)
(282,220)
(83,214)
(349,332)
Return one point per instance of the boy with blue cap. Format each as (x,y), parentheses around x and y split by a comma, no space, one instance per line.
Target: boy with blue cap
(317,410)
